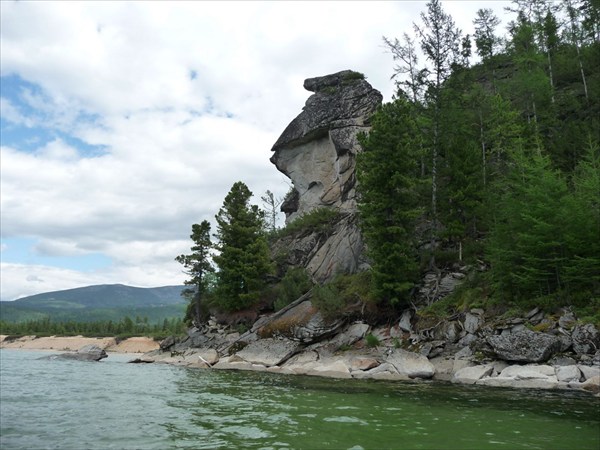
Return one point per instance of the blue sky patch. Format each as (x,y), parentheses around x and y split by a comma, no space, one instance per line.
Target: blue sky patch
(22,251)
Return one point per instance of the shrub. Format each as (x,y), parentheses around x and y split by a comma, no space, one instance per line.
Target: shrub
(343,295)
(294,284)
(316,220)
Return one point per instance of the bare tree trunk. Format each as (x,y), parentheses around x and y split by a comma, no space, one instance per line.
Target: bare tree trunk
(587,99)
(551,75)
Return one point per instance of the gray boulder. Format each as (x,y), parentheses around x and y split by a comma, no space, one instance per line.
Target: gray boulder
(268,352)
(411,364)
(469,375)
(86,353)
(524,346)
(586,339)
(568,373)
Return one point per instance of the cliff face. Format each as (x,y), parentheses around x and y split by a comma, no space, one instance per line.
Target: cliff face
(318,148)
(317,151)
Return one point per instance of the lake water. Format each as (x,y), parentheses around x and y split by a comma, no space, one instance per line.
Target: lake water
(113,405)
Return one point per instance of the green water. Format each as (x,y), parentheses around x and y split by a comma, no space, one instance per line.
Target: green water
(77,405)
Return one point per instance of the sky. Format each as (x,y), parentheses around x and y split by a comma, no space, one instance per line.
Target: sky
(123,123)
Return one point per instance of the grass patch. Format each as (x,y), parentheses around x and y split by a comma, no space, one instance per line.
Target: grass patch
(372,340)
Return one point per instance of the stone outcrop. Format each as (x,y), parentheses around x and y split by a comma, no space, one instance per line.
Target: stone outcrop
(86,353)
(318,148)
(525,345)
(317,151)
(337,248)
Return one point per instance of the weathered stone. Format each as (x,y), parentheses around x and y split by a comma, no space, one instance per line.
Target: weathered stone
(363,363)
(411,364)
(467,340)
(589,371)
(464,353)
(444,368)
(302,362)
(529,372)
(405,319)
(562,361)
(567,321)
(337,248)
(586,339)
(514,383)
(532,313)
(89,352)
(165,344)
(471,323)
(567,373)
(525,346)
(206,355)
(448,331)
(469,375)
(268,352)
(349,336)
(317,149)
(331,368)
(592,384)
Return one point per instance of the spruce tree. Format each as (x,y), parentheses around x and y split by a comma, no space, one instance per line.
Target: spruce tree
(243,258)
(387,173)
(198,266)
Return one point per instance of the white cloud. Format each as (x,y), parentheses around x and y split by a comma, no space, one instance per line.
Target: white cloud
(182,99)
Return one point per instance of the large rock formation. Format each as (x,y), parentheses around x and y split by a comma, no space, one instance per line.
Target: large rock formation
(317,151)
(318,148)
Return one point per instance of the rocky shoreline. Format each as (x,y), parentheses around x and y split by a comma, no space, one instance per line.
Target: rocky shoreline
(466,349)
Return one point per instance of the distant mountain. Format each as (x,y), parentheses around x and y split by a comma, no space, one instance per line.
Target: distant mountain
(94,303)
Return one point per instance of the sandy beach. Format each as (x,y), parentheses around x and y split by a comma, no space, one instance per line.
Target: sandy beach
(73,343)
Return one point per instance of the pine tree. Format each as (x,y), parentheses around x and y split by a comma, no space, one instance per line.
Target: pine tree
(198,265)
(387,172)
(243,258)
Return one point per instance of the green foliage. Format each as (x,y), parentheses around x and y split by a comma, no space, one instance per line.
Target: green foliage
(389,202)
(316,221)
(124,328)
(545,238)
(292,286)
(345,294)
(352,76)
(198,265)
(372,340)
(243,258)
(97,303)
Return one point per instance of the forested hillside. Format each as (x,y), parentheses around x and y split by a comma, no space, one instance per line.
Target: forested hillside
(98,303)
(495,164)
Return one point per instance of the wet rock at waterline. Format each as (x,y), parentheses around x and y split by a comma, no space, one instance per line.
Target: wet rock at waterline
(86,353)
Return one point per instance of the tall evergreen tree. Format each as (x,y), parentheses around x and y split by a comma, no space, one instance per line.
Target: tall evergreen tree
(243,258)
(387,172)
(198,266)
(526,250)
(439,40)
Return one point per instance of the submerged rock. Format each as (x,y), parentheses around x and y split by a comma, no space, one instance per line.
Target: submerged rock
(86,353)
